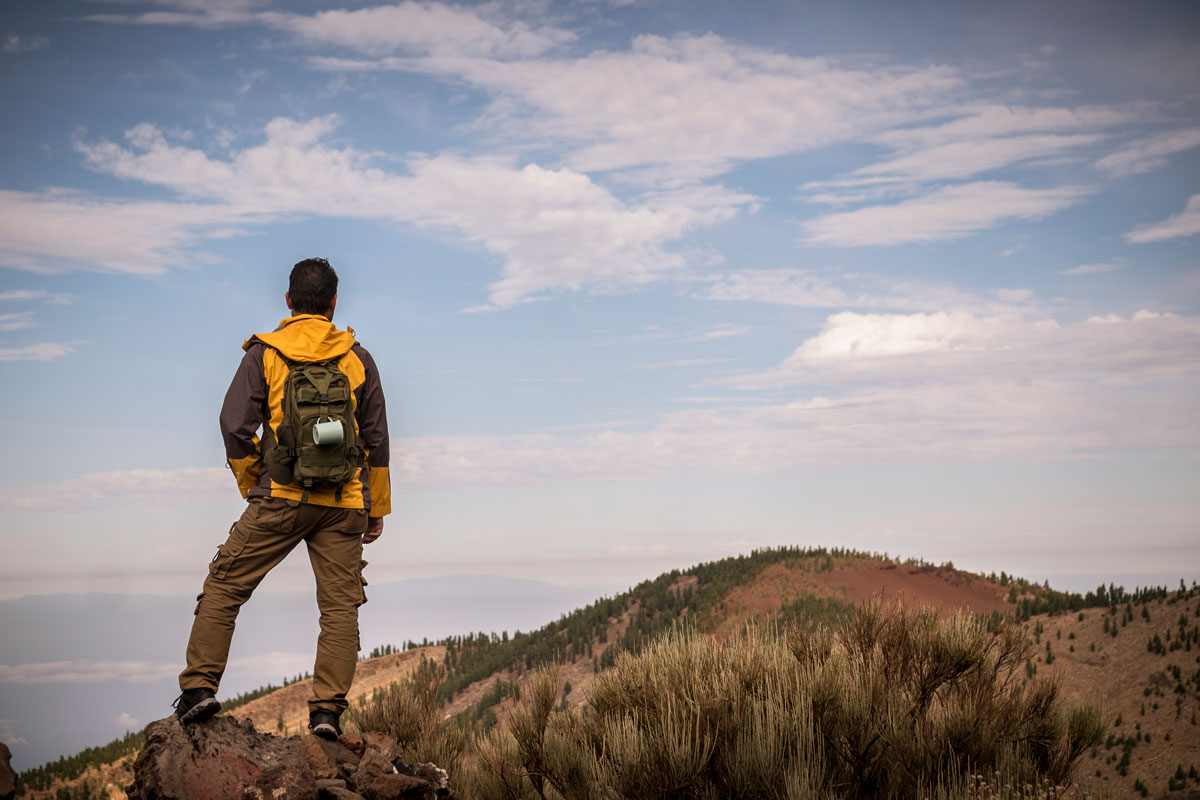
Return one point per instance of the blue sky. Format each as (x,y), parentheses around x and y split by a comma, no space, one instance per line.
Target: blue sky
(648,282)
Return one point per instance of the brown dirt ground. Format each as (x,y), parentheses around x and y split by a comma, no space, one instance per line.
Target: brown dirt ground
(860,580)
(292,700)
(1117,673)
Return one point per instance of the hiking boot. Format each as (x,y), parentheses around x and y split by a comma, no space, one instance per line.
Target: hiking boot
(195,705)
(324,723)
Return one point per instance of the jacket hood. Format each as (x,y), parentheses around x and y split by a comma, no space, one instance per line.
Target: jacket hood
(306,337)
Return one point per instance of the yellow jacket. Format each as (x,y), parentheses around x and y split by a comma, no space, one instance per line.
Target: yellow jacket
(255,397)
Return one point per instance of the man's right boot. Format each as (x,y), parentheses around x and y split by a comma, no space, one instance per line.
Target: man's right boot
(324,723)
(195,705)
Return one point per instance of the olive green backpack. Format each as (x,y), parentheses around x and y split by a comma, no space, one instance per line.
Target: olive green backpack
(314,392)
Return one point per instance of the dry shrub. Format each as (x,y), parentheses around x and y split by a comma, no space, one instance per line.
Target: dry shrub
(409,712)
(890,704)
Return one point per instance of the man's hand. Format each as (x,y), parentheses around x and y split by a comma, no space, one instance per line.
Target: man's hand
(374,529)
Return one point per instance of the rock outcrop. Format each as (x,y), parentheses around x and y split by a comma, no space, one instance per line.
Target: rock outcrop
(8,778)
(223,759)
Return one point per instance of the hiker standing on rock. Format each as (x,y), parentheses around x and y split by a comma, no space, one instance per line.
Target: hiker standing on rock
(318,475)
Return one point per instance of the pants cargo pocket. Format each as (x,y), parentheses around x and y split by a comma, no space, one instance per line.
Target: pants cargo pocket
(362,581)
(199,598)
(227,553)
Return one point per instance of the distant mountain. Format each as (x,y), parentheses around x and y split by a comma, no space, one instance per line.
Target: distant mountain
(80,669)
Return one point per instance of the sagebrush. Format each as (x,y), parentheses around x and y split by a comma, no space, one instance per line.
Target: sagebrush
(893,703)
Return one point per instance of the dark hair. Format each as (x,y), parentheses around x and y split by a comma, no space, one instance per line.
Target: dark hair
(312,287)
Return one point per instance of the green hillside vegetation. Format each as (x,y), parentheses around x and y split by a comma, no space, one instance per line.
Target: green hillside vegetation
(653,609)
(654,606)
(882,704)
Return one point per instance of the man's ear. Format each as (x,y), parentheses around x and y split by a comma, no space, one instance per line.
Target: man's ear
(332,306)
(287,298)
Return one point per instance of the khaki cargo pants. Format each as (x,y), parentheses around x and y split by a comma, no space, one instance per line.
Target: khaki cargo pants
(268,530)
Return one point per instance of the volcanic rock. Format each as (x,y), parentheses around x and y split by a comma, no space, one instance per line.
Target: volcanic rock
(8,778)
(223,759)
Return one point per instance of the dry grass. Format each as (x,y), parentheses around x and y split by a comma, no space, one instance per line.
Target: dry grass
(894,703)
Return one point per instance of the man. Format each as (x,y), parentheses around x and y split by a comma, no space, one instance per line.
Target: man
(334,516)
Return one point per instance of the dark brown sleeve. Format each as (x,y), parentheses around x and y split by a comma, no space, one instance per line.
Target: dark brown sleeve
(372,413)
(241,417)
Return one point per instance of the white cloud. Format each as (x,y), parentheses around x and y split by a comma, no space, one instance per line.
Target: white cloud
(555,228)
(86,672)
(433,28)
(1091,269)
(24,44)
(983,122)
(1185,223)
(17,321)
(25,295)
(425,28)
(680,363)
(947,213)
(1150,153)
(696,103)
(1013,344)
(794,287)
(940,387)
(825,289)
(250,79)
(980,139)
(558,229)
(127,721)
(8,733)
(722,331)
(853,335)
(212,5)
(199,13)
(132,237)
(43,351)
(275,663)
(964,158)
(133,486)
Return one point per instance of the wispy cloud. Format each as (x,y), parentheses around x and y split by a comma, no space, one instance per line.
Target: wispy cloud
(942,387)
(696,103)
(17,321)
(8,733)
(26,295)
(1150,153)
(86,672)
(122,487)
(980,139)
(14,43)
(1013,343)
(833,289)
(435,29)
(42,351)
(1092,269)
(680,363)
(555,228)
(953,160)
(722,331)
(948,213)
(1184,224)
(108,235)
